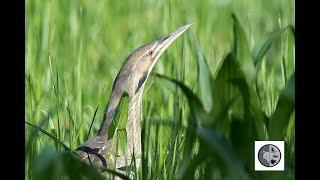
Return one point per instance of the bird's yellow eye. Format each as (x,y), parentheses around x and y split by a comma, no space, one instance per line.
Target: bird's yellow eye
(150,52)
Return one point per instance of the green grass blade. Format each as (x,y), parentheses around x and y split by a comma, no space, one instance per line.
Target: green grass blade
(94,117)
(205,78)
(262,47)
(280,118)
(122,141)
(224,151)
(241,50)
(120,117)
(56,140)
(197,110)
(118,125)
(52,165)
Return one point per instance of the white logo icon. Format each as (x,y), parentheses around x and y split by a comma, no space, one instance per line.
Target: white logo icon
(269,155)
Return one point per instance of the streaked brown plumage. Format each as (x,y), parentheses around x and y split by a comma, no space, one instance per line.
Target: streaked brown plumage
(130,79)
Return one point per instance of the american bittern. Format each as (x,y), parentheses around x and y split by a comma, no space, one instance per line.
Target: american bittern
(131,80)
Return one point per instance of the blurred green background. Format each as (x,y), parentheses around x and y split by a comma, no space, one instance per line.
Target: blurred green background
(74,50)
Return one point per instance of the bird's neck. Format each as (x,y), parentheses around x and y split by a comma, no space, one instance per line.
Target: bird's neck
(133,126)
(109,112)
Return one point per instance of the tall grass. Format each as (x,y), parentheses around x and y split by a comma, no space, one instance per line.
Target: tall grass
(225,83)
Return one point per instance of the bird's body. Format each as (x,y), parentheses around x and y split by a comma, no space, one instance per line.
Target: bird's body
(131,79)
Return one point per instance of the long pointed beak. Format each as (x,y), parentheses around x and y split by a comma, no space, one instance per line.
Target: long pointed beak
(165,42)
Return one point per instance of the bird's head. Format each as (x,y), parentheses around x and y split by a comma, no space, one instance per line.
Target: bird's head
(139,63)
